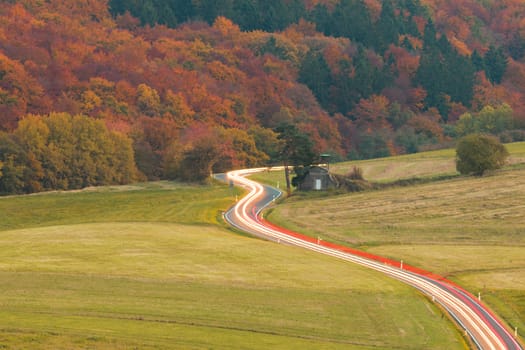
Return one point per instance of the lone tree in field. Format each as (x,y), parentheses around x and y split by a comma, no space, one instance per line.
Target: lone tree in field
(296,149)
(478,153)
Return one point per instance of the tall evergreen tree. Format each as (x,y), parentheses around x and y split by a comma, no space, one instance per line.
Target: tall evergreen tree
(166,15)
(477,61)
(414,7)
(246,14)
(322,18)
(209,10)
(184,10)
(388,26)
(296,149)
(315,73)
(444,73)
(461,79)
(517,46)
(429,36)
(117,7)
(343,96)
(148,13)
(274,15)
(351,19)
(495,64)
(368,79)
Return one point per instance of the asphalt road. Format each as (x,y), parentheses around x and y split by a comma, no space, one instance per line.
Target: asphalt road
(484,329)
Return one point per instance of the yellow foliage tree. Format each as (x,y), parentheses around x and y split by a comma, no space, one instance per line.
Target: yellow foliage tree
(90,101)
(148,100)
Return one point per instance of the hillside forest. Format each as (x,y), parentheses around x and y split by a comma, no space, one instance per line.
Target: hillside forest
(97,92)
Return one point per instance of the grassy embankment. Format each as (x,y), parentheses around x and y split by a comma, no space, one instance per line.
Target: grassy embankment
(151,267)
(471,230)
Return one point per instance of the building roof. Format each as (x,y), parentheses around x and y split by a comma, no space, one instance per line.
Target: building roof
(318,169)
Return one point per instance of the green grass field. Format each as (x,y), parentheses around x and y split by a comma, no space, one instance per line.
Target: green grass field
(471,230)
(152,267)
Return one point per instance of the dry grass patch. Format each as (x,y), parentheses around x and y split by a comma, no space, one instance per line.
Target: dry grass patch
(486,210)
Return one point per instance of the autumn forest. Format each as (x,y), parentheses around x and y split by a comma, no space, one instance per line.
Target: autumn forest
(99,92)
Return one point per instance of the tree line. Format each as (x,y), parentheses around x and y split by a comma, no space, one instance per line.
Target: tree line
(208,89)
(63,152)
(395,51)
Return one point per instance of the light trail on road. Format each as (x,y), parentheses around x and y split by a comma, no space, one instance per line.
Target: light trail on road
(484,329)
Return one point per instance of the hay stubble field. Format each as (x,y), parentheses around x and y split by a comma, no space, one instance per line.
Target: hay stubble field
(470,230)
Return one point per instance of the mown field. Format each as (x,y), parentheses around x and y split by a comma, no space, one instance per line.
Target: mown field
(425,165)
(152,267)
(471,230)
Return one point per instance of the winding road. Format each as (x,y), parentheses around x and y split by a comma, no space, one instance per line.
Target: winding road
(484,329)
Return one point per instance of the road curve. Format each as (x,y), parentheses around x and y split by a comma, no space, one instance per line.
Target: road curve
(484,329)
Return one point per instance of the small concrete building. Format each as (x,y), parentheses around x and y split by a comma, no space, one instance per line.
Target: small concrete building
(317,179)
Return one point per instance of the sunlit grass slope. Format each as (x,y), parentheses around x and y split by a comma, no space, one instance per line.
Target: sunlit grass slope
(428,165)
(469,229)
(149,267)
(422,165)
(152,202)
